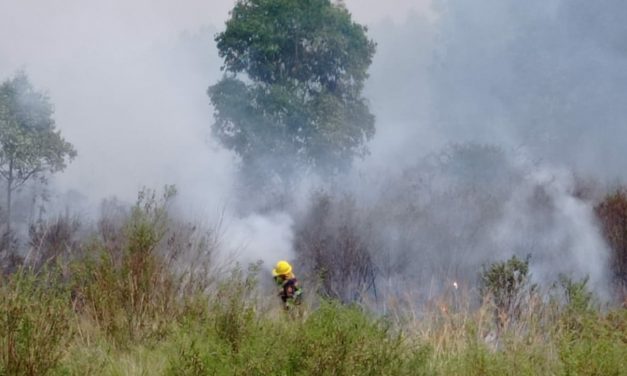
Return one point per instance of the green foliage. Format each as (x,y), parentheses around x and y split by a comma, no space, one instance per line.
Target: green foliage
(304,64)
(131,295)
(590,343)
(230,336)
(506,283)
(334,340)
(579,300)
(190,362)
(313,41)
(34,323)
(504,279)
(233,313)
(476,358)
(593,344)
(29,144)
(124,311)
(339,340)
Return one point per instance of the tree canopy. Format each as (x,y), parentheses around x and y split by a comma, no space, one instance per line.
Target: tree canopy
(29,143)
(291,93)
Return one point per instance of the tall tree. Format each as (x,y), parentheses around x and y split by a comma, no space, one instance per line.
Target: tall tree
(30,146)
(291,93)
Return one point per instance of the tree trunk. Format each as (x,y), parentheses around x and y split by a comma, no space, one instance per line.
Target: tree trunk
(9,191)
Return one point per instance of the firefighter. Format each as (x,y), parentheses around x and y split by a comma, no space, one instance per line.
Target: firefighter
(289,289)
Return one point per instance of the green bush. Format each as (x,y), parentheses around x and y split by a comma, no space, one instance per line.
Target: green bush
(132,294)
(507,284)
(340,340)
(233,309)
(34,323)
(590,342)
(333,340)
(596,346)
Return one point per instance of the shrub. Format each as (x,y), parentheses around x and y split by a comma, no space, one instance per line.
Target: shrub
(591,343)
(340,340)
(233,308)
(131,295)
(507,285)
(612,213)
(34,323)
(579,300)
(10,260)
(333,242)
(334,340)
(51,240)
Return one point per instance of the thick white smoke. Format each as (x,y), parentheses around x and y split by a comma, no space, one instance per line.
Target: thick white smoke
(128,80)
(546,220)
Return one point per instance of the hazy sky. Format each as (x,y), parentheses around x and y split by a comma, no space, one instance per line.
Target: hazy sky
(129,88)
(126,93)
(39,32)
(47,24)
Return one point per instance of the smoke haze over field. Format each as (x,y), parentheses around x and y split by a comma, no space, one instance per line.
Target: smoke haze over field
(544,75)
(128,89)
(543,78)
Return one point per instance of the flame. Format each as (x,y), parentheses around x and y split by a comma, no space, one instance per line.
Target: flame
(455,284)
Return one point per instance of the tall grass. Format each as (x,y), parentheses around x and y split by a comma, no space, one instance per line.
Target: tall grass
(128,291)
(131,306)
(34,323)
(228,332)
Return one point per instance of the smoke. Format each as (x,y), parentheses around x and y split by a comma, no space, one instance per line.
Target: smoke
(260,237)
(543,74)
(128,80)
(459,209)
(558,230)
(128,88)
(540,80)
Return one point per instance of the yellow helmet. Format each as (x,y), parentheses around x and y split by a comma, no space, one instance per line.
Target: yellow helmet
(282,268)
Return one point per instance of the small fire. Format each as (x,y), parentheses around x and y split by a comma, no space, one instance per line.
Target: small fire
(455,284)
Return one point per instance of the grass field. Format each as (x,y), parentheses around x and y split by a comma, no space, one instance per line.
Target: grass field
(125,305)
(232,330)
